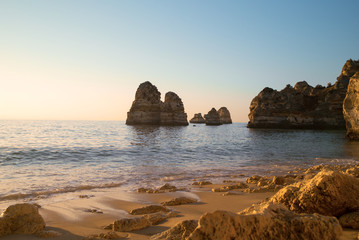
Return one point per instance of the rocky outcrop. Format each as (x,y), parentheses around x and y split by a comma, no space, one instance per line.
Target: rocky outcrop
(268,221)
(224,115)
(329,193)
(148,109)
(351,103)
(21,219)
(197,118)
(179,201)
(212,117)
(149,209)
(350,220)
(303,106)
(179,232)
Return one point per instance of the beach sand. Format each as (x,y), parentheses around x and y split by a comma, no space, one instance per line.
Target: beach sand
(71,217)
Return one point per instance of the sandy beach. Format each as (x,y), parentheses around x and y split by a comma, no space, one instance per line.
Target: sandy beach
(82,215)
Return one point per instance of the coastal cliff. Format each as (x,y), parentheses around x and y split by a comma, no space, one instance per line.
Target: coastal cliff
(197,118)
(148,109)
(302,106)
(351,101)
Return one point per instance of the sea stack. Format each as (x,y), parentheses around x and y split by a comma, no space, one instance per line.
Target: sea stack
(148,109)
(197,118)
(302,106)
(224,115)
(351,101)
(212,117)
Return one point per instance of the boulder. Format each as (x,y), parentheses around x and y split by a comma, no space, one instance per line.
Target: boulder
(156,218)
(267,221)
(179,232)
(21,219)
(148,109)
(329,193)
(303,106)
(350,220)
(224,115)
(197,118)
(179,201)
(351,108)
(130,224)
(212,117)
(149,209)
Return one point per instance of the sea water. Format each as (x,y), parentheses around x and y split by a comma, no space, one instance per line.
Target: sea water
(42,158)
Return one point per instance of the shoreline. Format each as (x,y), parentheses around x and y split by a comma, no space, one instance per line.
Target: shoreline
(78,215)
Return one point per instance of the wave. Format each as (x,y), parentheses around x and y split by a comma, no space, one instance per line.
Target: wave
(47,193)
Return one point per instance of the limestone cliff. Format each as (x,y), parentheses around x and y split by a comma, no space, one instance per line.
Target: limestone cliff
(303,106)
(197,118)
(224,115)
(212,117)
(351,101)
(148,109)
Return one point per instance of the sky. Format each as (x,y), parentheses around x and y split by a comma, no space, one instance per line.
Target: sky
(84,59)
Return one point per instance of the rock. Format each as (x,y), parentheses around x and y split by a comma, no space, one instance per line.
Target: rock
(179,232)
(156,218)
(101,236)
(254,179)
(351,103)
(269,221)
(21,219)
(212,117)
(168,187)
(303,106)
(329,193)
(354,171)
(179,201)
(224,115)
(149,209)
(148,109)
(130,224)
(202,183)
(350,220)
(48,234)
(197,118)
(230,187)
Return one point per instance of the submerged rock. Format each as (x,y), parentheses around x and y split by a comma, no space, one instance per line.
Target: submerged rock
(351,103)
(224,115)
(21,219)
(303,106)
(212,117)
(148,109)
(268,221)
(197,118)
(329,193)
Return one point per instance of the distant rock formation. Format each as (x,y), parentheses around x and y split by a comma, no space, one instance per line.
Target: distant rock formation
(303,106)
(212,117)
(224,115)
(148,109)
(197,118)
(351,101)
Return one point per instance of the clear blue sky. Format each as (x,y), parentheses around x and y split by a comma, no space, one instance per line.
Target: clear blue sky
(85,59)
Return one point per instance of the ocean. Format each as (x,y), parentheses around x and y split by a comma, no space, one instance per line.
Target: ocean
(42,158)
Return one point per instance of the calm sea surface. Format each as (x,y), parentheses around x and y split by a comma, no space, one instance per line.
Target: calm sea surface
(44,157)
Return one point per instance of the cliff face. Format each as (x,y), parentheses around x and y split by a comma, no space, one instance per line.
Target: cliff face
(212,117)
(148,109)
(224,115)
(197,118)
(303,106)
(351,102)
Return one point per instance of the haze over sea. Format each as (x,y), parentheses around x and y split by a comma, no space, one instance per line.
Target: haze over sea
(39,158)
